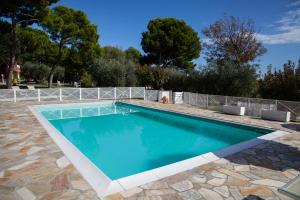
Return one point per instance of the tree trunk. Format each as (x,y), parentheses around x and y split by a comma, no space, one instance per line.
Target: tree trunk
(9,76)
(50,77)
(12,60)
(58,59)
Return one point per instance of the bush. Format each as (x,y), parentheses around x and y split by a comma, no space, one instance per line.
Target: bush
(176,80)
(34,71)
(86,80)
(40,72)
(114,72)
(152,77)
(230,79)
(281,84)
(59,73)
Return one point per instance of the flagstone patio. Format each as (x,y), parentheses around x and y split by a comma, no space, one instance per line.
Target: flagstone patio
(33,167)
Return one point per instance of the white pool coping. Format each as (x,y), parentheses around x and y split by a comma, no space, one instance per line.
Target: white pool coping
(104,186)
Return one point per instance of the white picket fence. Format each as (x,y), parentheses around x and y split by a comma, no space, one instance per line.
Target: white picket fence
(253,106)
(61,94)
(153,95)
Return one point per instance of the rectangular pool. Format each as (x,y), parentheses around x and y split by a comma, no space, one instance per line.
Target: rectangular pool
(122,139)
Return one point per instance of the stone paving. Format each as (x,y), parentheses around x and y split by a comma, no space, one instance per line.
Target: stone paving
(33,167)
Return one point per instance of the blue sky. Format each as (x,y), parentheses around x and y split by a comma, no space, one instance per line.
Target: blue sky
(120,23)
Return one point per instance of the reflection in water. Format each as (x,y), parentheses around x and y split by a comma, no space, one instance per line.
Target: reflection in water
(85,111)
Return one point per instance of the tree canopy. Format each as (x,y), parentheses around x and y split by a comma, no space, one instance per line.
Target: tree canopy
(5,43)
(114,69)
(230,51)
(133,54)
(20,13)
(69,28)
(170,42)
(35,45)
(24,12)
(232,39)
(281,84)
(230,79)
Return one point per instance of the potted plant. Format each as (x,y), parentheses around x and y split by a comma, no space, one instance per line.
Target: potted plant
(165,100)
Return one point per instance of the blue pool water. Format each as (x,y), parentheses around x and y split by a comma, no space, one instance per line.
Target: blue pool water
(123,139)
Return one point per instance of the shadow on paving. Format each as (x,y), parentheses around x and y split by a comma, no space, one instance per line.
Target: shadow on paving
(271,155)
(292,126)
(268,160)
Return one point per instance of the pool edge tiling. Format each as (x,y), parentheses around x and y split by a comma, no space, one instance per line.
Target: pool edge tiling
(105,186)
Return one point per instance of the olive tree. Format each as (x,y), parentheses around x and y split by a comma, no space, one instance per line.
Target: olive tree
(230,53)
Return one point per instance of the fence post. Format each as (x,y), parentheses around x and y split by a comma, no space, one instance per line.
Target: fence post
(144,94)
(129,92)
(189,102)
(276,104)
(115,91)
(98,93)
(196,100)
(80,94)
(60,95)
(15,96)
(39,95)
(226,100)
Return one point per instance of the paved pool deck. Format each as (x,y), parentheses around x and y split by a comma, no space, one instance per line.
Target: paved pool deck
(33,167)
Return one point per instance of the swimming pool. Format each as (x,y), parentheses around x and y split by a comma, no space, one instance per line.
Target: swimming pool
(123,140)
